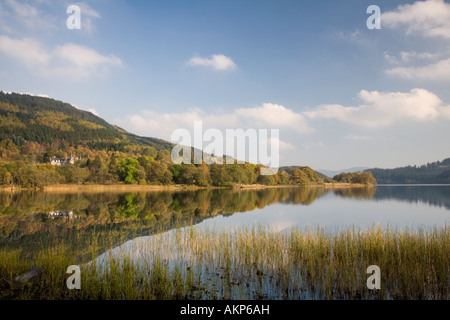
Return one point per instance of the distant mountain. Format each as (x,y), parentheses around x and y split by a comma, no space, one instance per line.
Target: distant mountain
(332,173)
(433,173)
(46,121)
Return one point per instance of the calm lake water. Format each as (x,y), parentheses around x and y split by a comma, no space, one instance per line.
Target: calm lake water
(166,228)
(26,218)
(398,206)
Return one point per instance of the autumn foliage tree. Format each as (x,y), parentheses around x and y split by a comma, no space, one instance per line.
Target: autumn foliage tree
(364,177)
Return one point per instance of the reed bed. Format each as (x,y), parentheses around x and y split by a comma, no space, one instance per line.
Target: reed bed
(257,263)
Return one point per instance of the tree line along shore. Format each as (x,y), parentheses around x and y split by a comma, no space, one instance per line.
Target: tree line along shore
(149,173)
(46,142)
(174,187)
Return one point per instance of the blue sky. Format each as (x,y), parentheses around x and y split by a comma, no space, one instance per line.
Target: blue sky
(340,94)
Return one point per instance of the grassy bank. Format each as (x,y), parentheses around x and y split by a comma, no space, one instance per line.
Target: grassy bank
(243,264)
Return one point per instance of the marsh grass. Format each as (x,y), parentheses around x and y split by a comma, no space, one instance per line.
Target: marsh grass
(256,263)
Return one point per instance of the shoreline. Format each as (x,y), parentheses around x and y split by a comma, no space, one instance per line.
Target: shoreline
(64,188)
(120,188)
(317,185)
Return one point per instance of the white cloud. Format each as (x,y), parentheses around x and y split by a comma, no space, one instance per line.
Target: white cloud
(162,125)
(313,145)
(429,18)
(217,62)
(411,56)
(405,57)
(352,36)
(419,65)
(275,115)
(93,111)
(82,60)
(286,145)
(268,116)
(434,71)
(87,10)
(88,16)
(385,108)
(4,27)
(355,137)
(25,11)
(68,60)
(390,59)
(29,15)
(377,109)
(28,51)
(17,15)
(42,95)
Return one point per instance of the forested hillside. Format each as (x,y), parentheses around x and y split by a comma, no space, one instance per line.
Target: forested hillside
(32,126)
(435,172)
(33,130)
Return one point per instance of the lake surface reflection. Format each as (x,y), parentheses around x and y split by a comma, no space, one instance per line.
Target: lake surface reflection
(397,206)
(28,217)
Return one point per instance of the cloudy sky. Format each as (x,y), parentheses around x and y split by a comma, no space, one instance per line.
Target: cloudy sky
(342,95)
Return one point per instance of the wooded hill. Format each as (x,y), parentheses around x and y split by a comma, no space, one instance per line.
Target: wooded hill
(52,125)
(433,173)
(35,129)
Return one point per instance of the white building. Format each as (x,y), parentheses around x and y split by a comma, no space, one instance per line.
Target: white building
(60,214)
(62,161)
